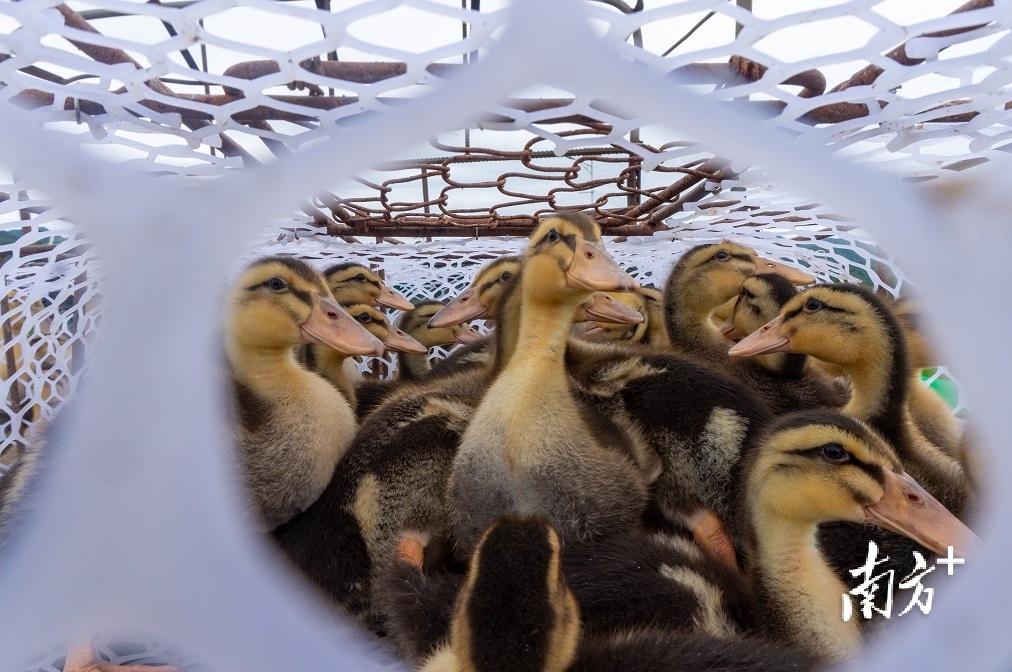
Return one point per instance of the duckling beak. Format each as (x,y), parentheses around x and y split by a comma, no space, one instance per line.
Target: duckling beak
(399,341)
(593,268)
(908,509)
(766,338)
(388,298)
(727,329)
(465,307)
(603,308)
(467,334)
(329,324)
(798,277)
(595,330)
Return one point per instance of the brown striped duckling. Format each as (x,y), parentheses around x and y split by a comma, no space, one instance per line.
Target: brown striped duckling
(529,447)
(784,380)
(928,410)
(416,324)
(849,326)
(481,300)
(291,426)
(704,278)
(817,467)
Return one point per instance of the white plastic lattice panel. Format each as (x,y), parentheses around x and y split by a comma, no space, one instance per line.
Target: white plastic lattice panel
(371,138)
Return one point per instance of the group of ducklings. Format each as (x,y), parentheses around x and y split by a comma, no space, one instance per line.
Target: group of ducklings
(680,481)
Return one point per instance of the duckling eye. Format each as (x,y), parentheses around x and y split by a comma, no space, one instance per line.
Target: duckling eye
(722,256)
(359,278)
(364,318)
(812,305)
(834,453)
(553,236)
(277,284)
(506,275)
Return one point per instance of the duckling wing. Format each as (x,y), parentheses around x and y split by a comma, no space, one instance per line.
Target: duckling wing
(392,479)
(699,422)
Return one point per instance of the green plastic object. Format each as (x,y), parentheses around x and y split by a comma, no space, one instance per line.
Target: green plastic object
(943,386)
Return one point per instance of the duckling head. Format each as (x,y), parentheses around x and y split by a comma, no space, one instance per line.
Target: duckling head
(483,297)
(280,302)
(760,299)
(377,324)
(416,325)
(353,282)
(515,605)
(566,258)
(648,302)
(839,323)
(821,466)
(608,308)
(712,274)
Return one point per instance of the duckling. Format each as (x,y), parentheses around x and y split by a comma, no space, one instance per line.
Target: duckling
(394,475)
(815,467)
(704,278)
(333,365)
(695,419)
(413,362)
(722,313)
(784,380)
(353,282)
(529,447)
(515,611)
(416,325)
(849,326)
(288,447)
(649,302)
(394,478)
(481,300)
(484,298)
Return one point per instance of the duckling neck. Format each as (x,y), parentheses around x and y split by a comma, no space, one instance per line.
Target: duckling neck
(802,589)
(784,364)
(657,334)
(329,364)
(413,366)
(689,325)
(507,329)
(880,386)
(543,333)
(258,366)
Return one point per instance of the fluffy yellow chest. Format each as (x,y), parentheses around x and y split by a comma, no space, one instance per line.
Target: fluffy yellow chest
(303,428)
(533,410)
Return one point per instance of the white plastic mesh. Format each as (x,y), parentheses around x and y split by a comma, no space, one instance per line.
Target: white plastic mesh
(939,107)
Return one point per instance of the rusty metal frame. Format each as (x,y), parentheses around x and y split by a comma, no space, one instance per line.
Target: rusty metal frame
(644,210)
